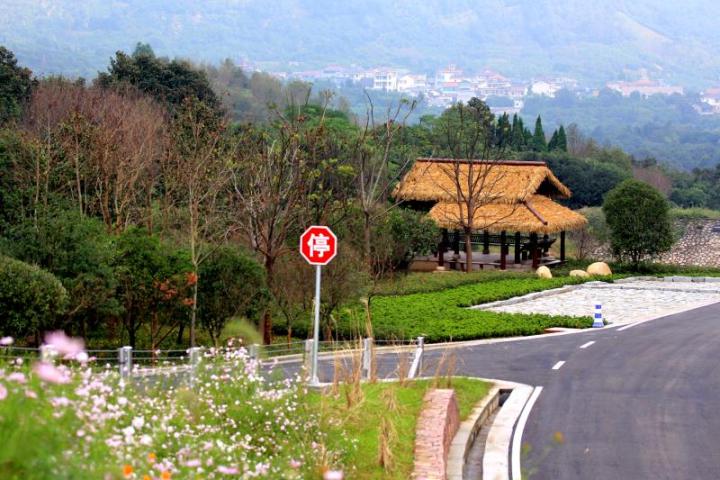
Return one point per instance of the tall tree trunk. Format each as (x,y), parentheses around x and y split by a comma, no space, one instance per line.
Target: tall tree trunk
(267,315)
(181,334)
(468,249)
(131,332)
(193,311)
(366,240)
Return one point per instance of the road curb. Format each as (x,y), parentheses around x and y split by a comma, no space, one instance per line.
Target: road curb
(501,437)
(468,431)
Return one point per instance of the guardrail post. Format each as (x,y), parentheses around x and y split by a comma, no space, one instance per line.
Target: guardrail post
(125,362)
(367,358)
(47,353)
(416,367)
(194,355)
(254,352)
(420,353)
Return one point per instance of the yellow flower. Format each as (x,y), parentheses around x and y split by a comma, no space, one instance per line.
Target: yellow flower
(146,477)
(151,457)
(127,471)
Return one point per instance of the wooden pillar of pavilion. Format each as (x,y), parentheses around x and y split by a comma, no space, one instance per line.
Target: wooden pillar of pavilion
(517,248)
(456,242)
(534,253)
(503,250)
(562,246)
(546,245)
(486,242)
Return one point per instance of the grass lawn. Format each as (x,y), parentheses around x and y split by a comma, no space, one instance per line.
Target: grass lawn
(356,429)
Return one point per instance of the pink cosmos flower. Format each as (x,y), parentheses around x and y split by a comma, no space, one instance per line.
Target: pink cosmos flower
(295,463)
(30,394)
(66,346)
(6,341)
(228,470)
(333,475)
(193,463)
(49,373)
(17,377)
(3,392)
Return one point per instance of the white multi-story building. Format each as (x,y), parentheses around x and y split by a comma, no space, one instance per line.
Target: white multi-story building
(412,83)
(385,80)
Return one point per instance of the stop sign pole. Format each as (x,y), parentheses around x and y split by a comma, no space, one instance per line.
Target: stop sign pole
(318,246)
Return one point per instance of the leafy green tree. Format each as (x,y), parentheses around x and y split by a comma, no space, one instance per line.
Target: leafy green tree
(168,81)
(539,143)
(14,192)
(31,299)
(639,221)
(403,235)
(153,286)
(77,250)
(16,85)
(233,286)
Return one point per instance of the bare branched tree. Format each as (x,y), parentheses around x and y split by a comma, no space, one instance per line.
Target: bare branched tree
(268,180)
(99,147)
(196,178)
(376,175)
(470,176)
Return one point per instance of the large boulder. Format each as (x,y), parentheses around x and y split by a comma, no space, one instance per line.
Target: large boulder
(543,272)
(599,268)
(579,273)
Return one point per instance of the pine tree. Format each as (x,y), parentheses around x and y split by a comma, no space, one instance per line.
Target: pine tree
(528,140)
(553,143)
(518,134)
(539,143)
(562,139)
(503,132)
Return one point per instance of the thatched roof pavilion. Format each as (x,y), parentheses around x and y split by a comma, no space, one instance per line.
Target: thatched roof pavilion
(512,196)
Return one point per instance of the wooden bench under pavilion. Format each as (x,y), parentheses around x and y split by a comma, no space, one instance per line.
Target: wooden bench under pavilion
(516,209)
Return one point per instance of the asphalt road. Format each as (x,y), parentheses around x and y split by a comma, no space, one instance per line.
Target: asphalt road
(636,403)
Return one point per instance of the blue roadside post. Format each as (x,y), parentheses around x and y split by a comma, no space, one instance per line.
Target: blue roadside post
(598,317)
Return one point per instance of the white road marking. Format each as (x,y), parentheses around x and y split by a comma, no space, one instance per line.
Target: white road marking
(558,365)
(515,473)
(585,345)
(629,326)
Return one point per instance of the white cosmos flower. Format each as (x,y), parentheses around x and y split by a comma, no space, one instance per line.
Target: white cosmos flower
(138,422)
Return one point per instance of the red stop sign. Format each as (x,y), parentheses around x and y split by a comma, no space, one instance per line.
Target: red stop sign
(318,245)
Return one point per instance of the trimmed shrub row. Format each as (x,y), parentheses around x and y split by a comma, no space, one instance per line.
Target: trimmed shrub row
(442,316)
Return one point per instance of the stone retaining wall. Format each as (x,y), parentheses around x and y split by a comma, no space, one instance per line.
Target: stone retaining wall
(698,245)
(439,421)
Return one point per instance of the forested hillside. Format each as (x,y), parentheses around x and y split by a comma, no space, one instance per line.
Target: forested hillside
(591,40)
(667,128)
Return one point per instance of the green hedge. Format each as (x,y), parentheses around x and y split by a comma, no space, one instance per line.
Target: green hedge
(440,316)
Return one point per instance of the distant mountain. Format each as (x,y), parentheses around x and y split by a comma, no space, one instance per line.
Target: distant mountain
(593,40)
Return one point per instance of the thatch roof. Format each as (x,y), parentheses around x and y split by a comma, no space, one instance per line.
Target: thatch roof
(536,213)
(432,179)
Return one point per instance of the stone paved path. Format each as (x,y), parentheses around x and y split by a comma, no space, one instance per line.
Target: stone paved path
(622,302)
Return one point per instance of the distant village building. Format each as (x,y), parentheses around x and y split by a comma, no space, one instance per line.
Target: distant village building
(544,88)
(386,80)
(644,87)
(711,100)
(413,84)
